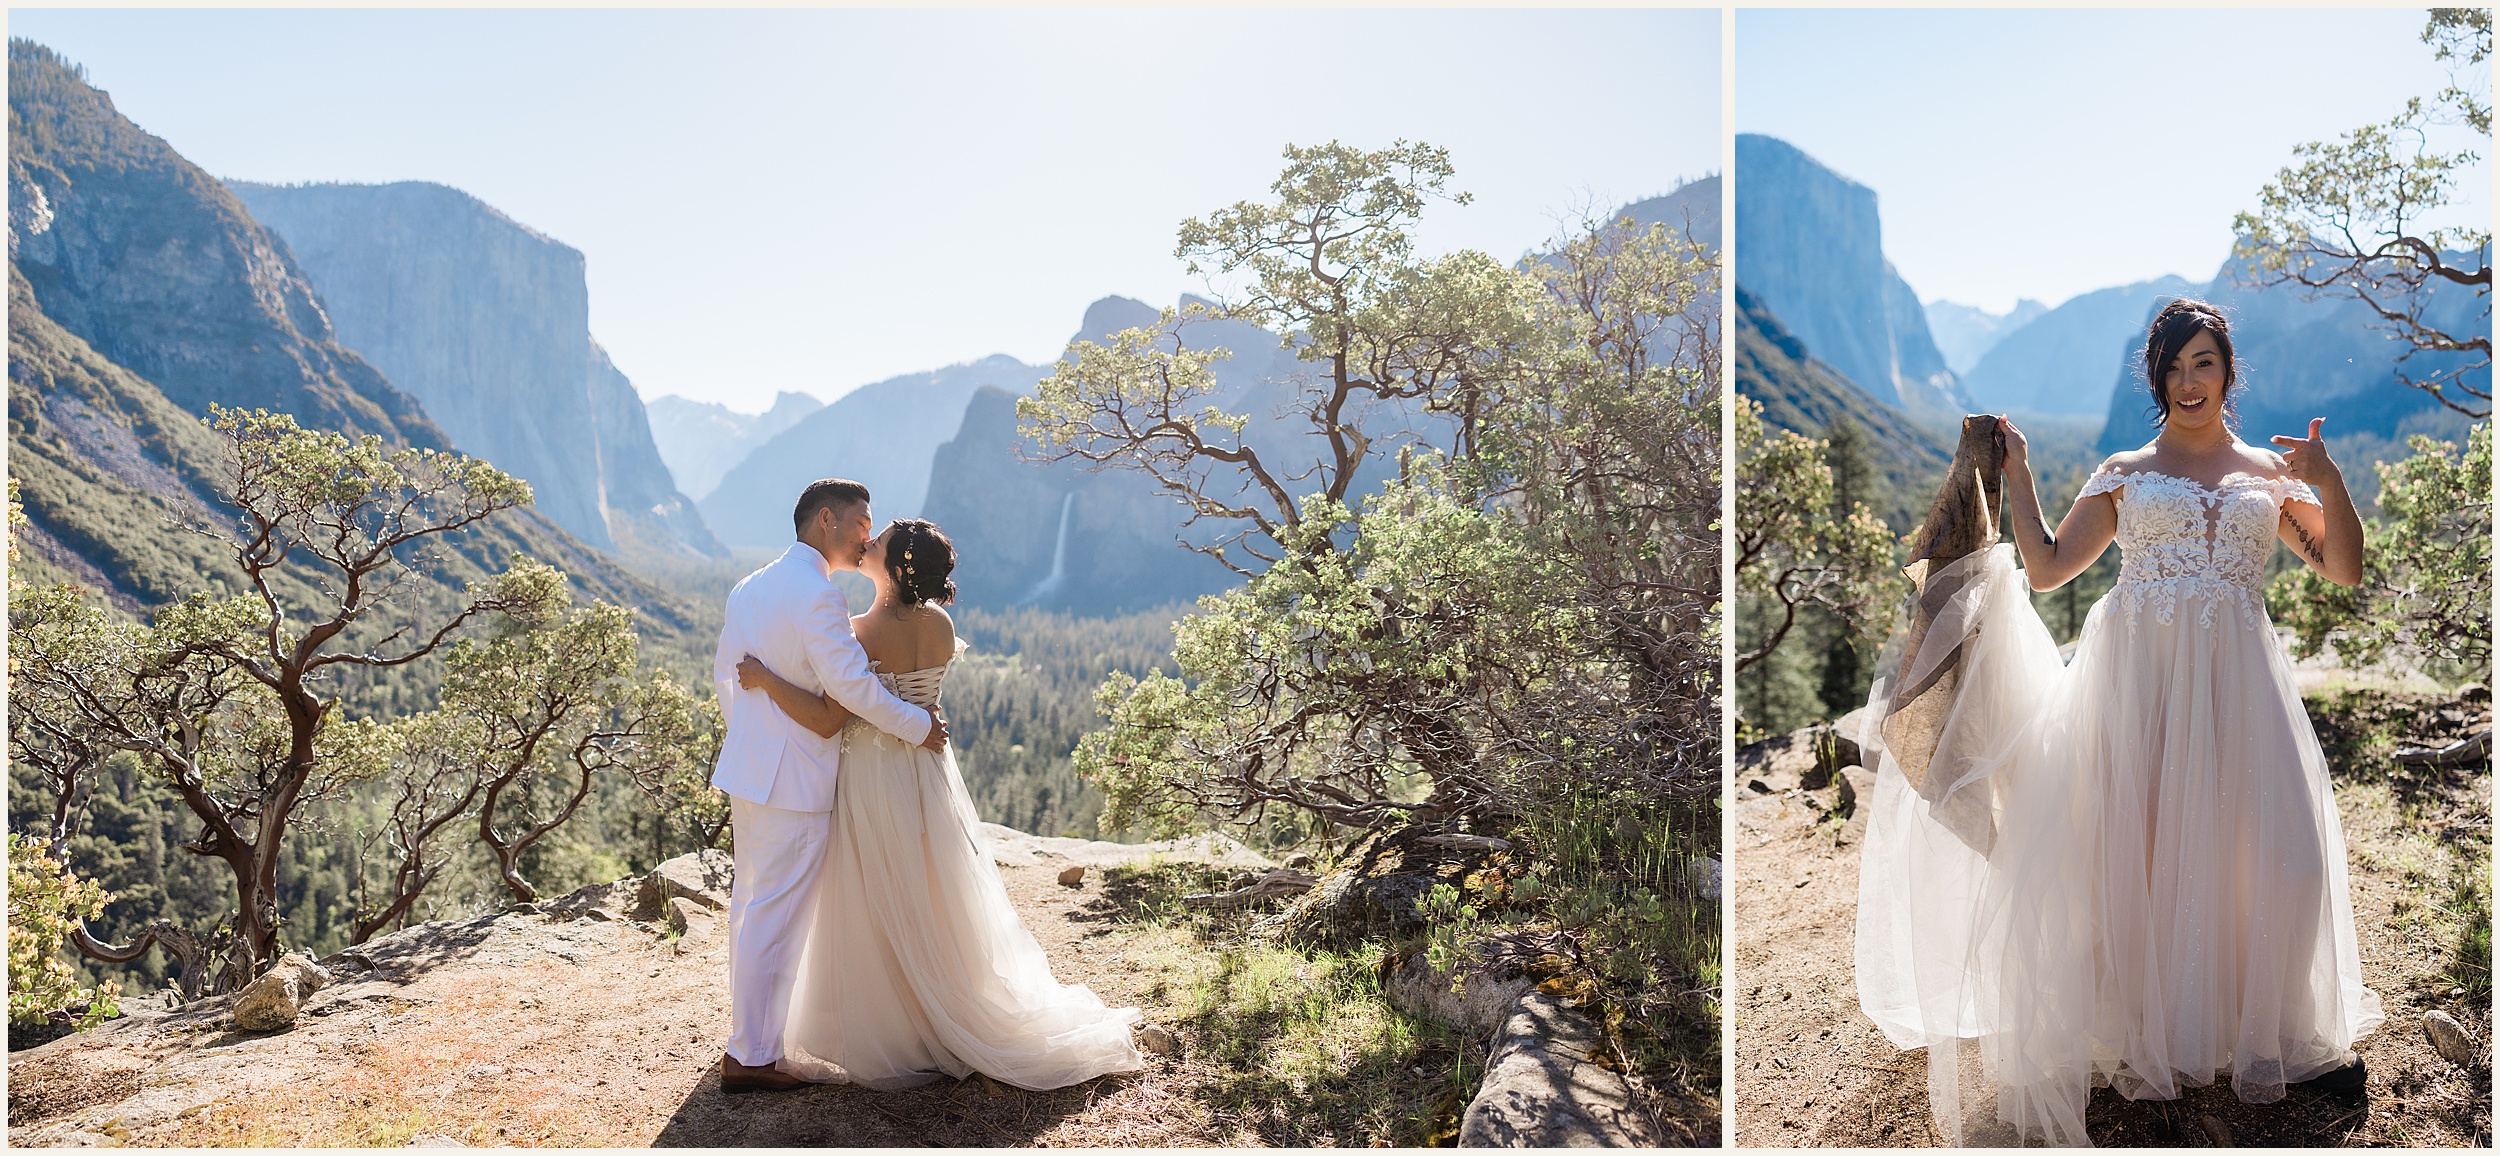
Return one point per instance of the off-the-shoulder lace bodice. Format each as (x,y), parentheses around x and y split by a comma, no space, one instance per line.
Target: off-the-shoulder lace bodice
(2179,538)
(917,687)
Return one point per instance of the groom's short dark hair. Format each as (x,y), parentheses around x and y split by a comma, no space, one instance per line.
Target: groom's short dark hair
(823,494)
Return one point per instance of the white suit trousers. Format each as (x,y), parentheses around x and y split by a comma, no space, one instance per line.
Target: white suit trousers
(780,855)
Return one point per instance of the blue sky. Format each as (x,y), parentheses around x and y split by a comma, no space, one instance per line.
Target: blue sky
(2048,153)
(819,199)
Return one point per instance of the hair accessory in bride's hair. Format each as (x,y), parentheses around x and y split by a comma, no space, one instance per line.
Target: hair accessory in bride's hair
(922,560)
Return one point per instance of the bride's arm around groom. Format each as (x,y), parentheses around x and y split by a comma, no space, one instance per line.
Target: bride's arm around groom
(841,667)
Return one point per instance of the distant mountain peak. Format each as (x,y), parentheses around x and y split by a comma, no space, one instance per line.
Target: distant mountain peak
(1693,209)
(1967,332)
(1113,314)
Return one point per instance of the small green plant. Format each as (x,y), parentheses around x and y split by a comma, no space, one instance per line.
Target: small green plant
(46,903)
(2469,966)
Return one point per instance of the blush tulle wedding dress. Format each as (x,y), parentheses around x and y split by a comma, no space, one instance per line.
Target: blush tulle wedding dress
(2122,871)
(916,967)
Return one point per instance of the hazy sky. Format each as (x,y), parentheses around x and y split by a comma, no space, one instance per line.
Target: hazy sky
(2048,153)
(819,199)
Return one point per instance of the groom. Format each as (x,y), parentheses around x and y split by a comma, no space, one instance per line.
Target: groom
(779,776)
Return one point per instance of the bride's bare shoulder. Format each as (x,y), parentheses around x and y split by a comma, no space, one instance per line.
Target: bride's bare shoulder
(2261,461)
(2126,461)
(933,628)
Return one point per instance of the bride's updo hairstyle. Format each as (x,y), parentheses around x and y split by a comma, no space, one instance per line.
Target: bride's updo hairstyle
(2177,324)
(922,561)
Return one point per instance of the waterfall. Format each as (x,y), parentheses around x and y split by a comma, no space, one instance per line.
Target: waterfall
(1058,575)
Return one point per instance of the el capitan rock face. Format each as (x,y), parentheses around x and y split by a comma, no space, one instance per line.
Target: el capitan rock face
(1809,247)
(104,455)
(488,323)
(1800,392)
(140,254)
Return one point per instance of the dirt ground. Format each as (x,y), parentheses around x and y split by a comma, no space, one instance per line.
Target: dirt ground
(1812,1071)
(531,1031)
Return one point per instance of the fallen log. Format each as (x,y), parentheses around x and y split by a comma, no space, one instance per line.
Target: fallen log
(2473,748)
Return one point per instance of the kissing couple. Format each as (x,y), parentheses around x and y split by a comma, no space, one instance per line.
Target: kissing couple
(871,939)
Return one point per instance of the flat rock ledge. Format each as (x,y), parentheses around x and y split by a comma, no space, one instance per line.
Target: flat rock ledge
(1546,1084)
(1544,1088)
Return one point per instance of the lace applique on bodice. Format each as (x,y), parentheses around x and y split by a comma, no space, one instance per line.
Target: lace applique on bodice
(2178,538)
(917,687)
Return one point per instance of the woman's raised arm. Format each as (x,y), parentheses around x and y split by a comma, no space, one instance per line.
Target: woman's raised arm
(2051,560)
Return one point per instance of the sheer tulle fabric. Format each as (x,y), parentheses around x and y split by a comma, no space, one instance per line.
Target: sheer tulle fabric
(917,967)
(2125,871)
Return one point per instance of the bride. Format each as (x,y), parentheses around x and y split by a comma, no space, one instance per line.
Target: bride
(916,967)
(2126,870)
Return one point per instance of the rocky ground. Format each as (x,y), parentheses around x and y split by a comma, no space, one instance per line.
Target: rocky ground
(596,1019)
(1811,1070)
(578,1026)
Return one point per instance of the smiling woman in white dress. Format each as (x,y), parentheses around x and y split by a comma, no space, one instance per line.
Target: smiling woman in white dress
(917,967)
(2127,870)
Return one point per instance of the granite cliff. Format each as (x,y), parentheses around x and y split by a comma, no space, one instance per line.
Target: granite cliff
(1102,541)
(1692,210)
(141,291)
(1802,393)
(2303,359)
(1056,536)
(158,267)
(1809,247)
(487,322)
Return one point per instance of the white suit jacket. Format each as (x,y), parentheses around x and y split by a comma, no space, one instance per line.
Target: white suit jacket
(792,616)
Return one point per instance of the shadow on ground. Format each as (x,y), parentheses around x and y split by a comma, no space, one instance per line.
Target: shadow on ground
(974,1113)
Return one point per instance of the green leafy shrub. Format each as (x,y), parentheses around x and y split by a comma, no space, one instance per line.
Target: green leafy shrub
(46,904)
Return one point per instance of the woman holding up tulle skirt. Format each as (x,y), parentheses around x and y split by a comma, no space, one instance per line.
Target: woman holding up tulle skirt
(2125,870)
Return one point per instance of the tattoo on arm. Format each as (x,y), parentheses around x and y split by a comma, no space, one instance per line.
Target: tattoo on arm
(2308,545)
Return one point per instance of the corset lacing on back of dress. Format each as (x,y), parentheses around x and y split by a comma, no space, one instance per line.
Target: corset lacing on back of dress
(917,687)
(2179,538)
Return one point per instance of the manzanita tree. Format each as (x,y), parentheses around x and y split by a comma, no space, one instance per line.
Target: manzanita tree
(1488,495)
(1792,552)
(229,700)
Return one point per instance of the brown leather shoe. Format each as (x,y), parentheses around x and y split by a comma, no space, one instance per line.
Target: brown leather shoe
(737,1078)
